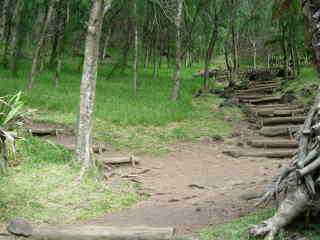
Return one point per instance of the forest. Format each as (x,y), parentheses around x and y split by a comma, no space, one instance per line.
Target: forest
(159,119)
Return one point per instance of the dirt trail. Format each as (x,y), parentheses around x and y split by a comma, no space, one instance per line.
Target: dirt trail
(194,187)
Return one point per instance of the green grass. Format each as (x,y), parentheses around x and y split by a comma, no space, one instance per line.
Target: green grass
(43,188)
(148,122)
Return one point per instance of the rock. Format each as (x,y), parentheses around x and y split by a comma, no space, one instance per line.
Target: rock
(289,97)
(250,196)
(20,227)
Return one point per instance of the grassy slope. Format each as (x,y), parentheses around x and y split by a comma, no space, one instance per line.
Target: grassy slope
(145,122)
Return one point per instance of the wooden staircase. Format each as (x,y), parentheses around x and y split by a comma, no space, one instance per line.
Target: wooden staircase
(275,120)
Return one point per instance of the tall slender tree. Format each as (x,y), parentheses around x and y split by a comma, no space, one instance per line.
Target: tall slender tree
(88,86)
(177,73)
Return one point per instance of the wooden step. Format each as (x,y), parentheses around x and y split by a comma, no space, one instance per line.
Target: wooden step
(258,90)
(278,113)
(265,82)
(251,96)
(258,85)
(270,143)
(270,154)
(274,106)
(265,100)
(275,131)
(283,120)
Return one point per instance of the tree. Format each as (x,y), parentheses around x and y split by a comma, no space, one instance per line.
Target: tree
(88,86)
(136,47)
(40,43)
(177,73)
(299,181)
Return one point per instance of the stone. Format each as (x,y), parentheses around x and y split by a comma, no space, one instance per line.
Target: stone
(20,227)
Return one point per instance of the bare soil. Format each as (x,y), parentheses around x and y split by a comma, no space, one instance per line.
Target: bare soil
(195,186)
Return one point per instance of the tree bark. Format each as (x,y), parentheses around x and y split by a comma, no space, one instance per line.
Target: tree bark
(212,43)
(4,18)
(88,87)
(177,74)
(40,44)
(16,34)
(136,46)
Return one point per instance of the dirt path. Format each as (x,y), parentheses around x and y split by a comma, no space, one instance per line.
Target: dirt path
(194,187)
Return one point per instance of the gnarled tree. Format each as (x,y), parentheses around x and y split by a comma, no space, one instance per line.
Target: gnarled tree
(300,181)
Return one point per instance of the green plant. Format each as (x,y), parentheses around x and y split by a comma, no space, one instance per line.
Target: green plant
(11,111)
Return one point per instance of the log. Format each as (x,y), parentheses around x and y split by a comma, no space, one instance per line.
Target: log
(274,106)
(265,100)
(99,233)
(258,90)
(121,160)
(285,130)
(44,132)
(283,120)
(250,97)
(273,154)
(265,143)
(258,85)
(278,113)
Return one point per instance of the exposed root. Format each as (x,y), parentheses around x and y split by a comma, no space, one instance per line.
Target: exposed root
(291,207)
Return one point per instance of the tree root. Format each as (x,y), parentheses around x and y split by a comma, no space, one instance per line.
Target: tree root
(291,207)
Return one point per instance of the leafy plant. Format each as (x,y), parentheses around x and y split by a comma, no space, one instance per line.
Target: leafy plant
(11,111)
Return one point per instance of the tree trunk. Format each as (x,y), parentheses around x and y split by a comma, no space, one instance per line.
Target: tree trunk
(88,86)
(4,17)
(213,39)
(177,74)
(136,46)
(40,44)
(106,43)
(300,180)
(16,35)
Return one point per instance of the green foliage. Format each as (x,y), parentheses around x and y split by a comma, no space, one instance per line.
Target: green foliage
(43,188)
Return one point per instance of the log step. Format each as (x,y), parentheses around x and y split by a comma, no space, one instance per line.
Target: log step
(278,113)
(251,96)
(265,100)
(275,131)
(272,154)
(259,85)
(274,106)
(283,120)
(267,143)
(258,90)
